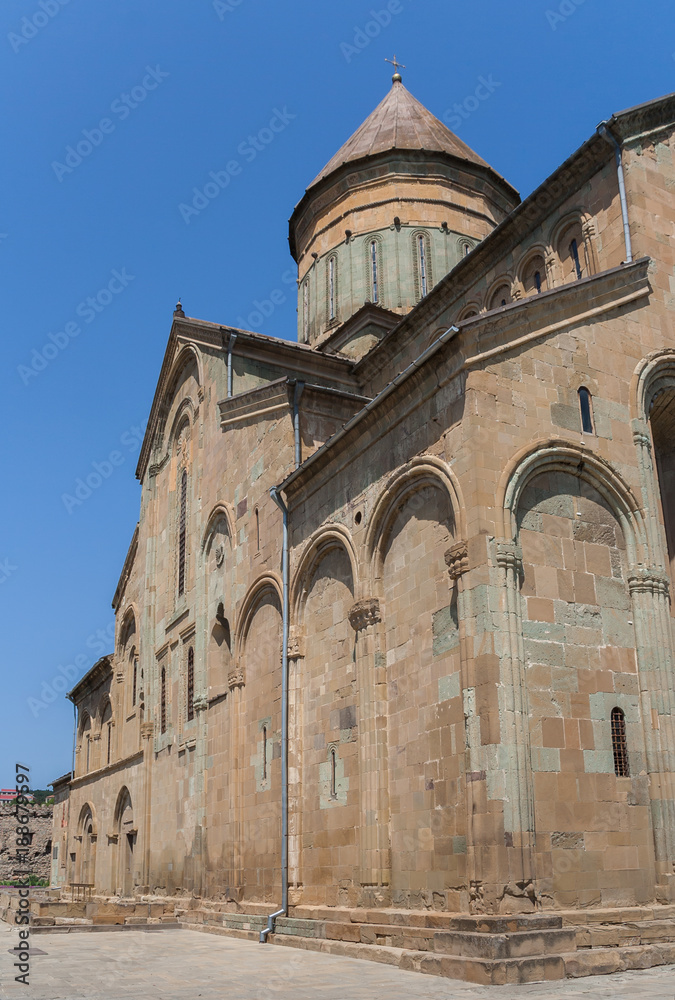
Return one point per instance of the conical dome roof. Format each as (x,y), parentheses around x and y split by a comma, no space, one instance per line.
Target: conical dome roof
(399,122)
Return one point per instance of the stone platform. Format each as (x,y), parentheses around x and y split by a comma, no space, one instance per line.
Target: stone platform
(487,950)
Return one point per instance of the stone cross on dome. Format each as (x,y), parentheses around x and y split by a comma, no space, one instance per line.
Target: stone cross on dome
(396,78)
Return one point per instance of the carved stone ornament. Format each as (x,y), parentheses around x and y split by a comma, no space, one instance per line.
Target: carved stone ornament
(296,642)
(220,554)
(147,730)
(645,580)
(457,559)
(235,678)
(201,703)
(365,613)
(510,556)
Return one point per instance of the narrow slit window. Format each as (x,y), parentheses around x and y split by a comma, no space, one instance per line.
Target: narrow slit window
(162,707)
(88,752)
(619,744)
(331,288)
(191,685)
(257,530)
(374,276)
(574,253)
(333,774)
(537,281)
(264,753)
(109,742)
(422,260)
(585,406)
(134,683)
(305,310)
(182,532)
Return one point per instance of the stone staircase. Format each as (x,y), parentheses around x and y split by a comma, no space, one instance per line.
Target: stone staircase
(487,950)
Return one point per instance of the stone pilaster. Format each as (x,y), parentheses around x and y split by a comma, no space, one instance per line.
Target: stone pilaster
(649,589)
(375,853)
(236,684)
(457,561)
(514,748)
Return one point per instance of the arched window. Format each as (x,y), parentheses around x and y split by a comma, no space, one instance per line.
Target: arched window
(500,297)
(619,744)
(332,287)
(333,773)
(305,311)
(264,753)
(191,685)
(374,273)
(162,705)
(88,751)
(534,275)
(182,532)
(572,252)
(585,406)
(422,263)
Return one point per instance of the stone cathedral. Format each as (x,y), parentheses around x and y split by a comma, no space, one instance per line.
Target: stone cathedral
(394,663)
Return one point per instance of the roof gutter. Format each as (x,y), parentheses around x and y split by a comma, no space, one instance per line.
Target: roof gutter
(375,402)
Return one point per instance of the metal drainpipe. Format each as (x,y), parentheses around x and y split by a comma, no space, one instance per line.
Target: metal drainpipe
(274,493)
(299,386)
(230,347)
(603,130)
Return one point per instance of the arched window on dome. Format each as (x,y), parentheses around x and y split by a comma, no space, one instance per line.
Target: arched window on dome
(305,311)
(331,289)
(422,264)
(374,271)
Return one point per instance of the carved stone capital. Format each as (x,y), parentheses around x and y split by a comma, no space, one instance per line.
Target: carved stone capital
(642,439)
(296,642)
(588,229)
(457,559)
(96,737)
(510,556)
(201,703)
(147,730)
(119,676)
(364,613)
(647,580)
(235,678)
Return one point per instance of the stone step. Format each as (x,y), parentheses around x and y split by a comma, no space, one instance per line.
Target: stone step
(519,944)
(631,933)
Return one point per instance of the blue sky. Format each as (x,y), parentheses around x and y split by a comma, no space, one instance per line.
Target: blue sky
(104,223)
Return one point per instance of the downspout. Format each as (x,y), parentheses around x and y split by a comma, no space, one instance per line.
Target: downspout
(274,493)
(299,386)
(604,131)
(230,346)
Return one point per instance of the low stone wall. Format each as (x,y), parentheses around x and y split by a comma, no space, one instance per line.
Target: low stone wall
(40,850)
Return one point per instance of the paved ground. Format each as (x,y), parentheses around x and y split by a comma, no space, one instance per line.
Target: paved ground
(186,965)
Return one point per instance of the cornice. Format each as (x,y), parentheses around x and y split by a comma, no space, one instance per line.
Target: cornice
(93,679)
(126,570)
(477,340)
